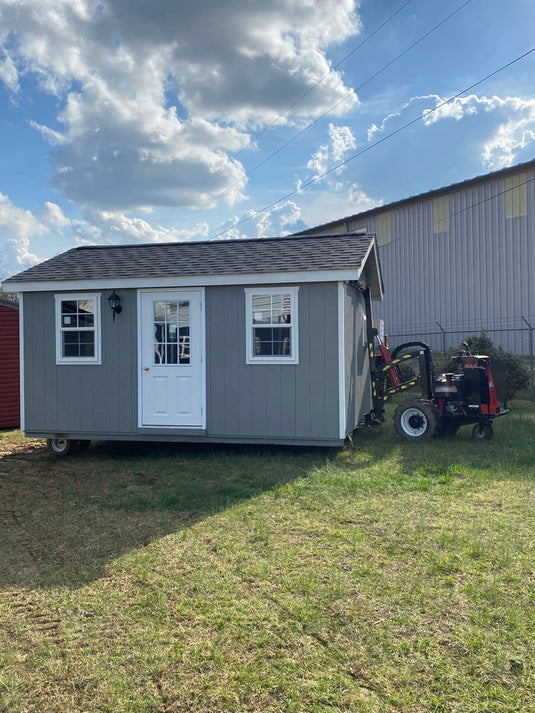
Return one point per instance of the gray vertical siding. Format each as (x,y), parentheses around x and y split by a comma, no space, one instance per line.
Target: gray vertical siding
(252,402)
(88,398)
(356,362)
(268,401)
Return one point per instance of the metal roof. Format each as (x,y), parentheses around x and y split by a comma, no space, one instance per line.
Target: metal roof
(494,175)
(200,259)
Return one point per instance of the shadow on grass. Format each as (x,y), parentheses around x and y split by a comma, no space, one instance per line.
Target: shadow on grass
(509,455)
(62,520)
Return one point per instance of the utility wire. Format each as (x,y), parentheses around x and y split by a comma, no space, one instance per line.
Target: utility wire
(333,68)
(328,111)
(456,213)
(285,111)
(376,143)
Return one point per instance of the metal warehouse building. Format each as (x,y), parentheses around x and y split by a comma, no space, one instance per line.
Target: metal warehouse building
(457,260)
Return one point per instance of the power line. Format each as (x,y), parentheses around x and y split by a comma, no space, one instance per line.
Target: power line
(285,111)
(376,143)
(333,68)
(329,110)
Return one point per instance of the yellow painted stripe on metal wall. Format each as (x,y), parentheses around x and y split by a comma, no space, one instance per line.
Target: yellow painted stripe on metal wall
(384,231)
(516,195)
(441,214)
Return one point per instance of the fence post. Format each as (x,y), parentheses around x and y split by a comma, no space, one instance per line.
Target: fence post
(532,389)
(443,337)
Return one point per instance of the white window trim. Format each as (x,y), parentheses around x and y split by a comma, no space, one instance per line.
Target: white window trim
(251,358)
(95,298)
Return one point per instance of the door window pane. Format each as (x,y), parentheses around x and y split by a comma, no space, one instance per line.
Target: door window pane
(159,311)
(171,332)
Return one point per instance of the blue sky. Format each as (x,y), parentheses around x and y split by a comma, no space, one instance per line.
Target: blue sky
(123,121)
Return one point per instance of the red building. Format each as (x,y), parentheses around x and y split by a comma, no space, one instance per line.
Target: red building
(9,365)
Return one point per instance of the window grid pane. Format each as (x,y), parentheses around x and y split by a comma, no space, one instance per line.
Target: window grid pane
(172,332)
(272,309)
(78,343)
(78,328)
(269,341)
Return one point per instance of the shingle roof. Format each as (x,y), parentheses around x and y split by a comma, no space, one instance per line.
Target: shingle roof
(222,257)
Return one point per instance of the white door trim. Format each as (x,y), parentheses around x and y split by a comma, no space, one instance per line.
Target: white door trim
(140,293)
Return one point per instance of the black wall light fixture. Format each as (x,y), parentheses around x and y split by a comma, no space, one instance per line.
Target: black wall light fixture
(114,302)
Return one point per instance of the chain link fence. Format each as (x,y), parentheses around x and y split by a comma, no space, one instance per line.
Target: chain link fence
(518,339)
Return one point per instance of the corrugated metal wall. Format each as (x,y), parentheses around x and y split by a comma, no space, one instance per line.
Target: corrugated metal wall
(459,260)
(9,366)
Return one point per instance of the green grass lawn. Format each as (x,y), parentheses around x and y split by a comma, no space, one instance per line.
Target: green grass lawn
(389,576)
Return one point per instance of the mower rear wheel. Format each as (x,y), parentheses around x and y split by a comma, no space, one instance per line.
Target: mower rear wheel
(416,420)
(483,431)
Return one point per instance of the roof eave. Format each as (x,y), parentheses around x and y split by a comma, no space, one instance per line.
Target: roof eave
(201,280)
(374,275)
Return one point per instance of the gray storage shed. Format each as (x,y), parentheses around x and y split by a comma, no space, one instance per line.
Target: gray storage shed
(260,341)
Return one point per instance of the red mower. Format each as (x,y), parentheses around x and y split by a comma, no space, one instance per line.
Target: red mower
(465,395)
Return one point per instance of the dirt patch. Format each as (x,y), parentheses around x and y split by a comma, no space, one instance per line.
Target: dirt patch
(25,446)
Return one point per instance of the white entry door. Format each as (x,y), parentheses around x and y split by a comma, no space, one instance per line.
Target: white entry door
(171,358)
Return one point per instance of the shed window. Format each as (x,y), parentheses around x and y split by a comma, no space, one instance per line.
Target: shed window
(78,329)
(272,325)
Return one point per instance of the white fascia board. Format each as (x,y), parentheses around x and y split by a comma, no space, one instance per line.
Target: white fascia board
(372,250)
(270,278)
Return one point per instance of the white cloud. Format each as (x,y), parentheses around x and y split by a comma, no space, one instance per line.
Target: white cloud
(502,149)
(17,222)
(341,141)
(515,131)
(16,228)
(53,215)
(511,125)
(324,206)
(282,219)
(335,194)
(113,228)
(54,138)
(9,74)
(157,96)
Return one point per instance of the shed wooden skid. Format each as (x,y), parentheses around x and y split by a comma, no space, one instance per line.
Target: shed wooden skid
(300,379)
